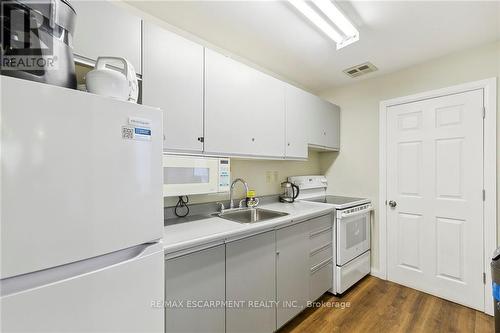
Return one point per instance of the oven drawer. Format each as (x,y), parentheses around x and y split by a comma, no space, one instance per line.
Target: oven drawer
(348,275)
(320,281)
(320,254)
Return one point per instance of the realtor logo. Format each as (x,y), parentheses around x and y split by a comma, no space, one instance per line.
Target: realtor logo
(27,35)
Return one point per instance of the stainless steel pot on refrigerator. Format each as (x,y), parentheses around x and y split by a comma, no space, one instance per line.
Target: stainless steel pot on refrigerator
(36,41)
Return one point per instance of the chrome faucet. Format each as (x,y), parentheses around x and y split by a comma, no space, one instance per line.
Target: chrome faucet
(231,202)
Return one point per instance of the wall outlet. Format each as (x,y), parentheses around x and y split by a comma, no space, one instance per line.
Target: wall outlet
(276,176)
(268,177)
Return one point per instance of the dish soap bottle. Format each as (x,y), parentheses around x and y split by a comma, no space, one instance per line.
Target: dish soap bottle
(252,201)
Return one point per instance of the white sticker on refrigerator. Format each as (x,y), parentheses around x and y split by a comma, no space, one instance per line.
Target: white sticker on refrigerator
(140,122)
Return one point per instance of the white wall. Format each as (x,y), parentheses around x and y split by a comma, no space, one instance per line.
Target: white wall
(256,172)
(354,170)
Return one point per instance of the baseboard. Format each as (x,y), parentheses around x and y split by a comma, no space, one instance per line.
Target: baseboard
(376,273)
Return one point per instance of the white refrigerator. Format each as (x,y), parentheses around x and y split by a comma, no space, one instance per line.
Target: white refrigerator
(81,212)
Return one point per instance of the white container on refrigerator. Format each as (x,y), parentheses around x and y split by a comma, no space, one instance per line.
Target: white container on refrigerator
(82,211)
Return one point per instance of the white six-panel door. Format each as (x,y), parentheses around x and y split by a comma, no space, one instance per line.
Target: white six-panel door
(434,192)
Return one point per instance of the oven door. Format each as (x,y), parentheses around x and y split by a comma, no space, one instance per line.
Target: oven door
(353,234)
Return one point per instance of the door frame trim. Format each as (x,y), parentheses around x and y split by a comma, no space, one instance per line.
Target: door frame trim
(489,87)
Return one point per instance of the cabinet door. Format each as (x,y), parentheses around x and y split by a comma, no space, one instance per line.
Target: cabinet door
(250,276)
(244,109)
(292,273)
(173,81)
(332,126)
(298,109)
(104,29)
(316,134)
(324,127)
(195,277)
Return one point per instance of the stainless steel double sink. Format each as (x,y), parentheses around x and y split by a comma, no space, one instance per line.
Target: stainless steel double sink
(249,215)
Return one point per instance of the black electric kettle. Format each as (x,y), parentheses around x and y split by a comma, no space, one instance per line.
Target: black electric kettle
(290,192)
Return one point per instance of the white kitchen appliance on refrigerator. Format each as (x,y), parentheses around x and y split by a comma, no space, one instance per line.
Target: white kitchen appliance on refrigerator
(81,212)
(351,230)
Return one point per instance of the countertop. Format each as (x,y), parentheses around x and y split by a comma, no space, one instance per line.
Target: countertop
(212,230)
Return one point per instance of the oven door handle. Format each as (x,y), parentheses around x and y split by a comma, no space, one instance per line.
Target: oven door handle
(361,212)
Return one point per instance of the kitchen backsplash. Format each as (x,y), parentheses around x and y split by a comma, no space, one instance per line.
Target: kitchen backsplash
(263,176)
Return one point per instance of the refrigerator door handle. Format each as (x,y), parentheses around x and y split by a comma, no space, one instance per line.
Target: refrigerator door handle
(21,283)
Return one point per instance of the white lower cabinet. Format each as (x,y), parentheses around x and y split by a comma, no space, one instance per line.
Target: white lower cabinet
(292,271)
(321,255)
(192,281)
(250,282)
(320,281)
(264,279)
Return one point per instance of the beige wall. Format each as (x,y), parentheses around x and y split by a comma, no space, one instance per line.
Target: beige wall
(354,170)
(264,176)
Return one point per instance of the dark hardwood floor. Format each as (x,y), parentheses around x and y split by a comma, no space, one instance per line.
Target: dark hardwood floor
(376,305)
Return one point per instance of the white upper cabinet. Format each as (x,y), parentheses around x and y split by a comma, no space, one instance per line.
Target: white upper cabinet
(324,127)
(299,105)
(244,109)
(309,121)
(332,128)
(173,81)
(104,29)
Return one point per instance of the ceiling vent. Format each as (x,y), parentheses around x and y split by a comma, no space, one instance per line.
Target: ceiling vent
(359,70)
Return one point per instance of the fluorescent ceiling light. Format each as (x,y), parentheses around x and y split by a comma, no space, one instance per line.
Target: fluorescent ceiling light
(318,21)
(349,34)
(337,17)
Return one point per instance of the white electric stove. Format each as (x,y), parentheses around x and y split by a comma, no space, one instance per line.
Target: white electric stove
(351,231)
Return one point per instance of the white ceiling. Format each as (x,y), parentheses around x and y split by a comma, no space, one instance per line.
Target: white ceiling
(393,35)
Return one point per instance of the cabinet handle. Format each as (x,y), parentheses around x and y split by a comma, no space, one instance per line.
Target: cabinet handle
(253,139)
(322,264)
(319,249)
(319,232)
(277,253)
(288,144)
